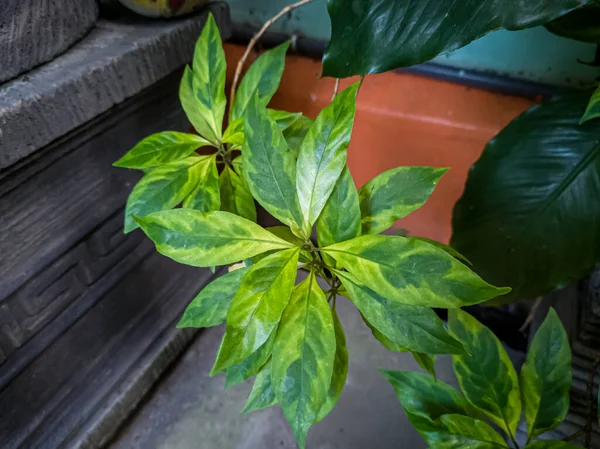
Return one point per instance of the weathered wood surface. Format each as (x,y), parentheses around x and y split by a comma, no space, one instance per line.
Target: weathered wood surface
(35,31)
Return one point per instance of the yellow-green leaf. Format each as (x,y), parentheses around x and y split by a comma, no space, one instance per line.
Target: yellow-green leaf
(204,239)
(161,148)
(486,376)
(303,357)
(546,377)
(205,196)
(209,307)
(250,366)
(234,134)
(323,154)
(464,432)
(394,194)
(269,168)
(261,80)
(262,394)
(411,272)
(235,195)
(163,187)
(593,108)
(257,307)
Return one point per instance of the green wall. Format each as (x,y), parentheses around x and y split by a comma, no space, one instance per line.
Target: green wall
(535,54)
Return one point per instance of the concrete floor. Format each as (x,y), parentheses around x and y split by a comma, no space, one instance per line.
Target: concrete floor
(191,410)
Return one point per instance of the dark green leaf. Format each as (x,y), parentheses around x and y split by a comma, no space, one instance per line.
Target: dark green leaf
(257,307)
(486,376)
(411,272)
(261,80)
(303,357)
(323,154)
(269,167)
(204,239)
(340,367)
(593,108)
(529,214)
(235,195)
(209,307)
(464,432)
(412,327)
(581,24)
(373,36)
(552,445)
(295,133)
(250,366)
(163,188)
(425,361)
(262,394)
(161,148)
(394,194)
(206,196)
(546,377)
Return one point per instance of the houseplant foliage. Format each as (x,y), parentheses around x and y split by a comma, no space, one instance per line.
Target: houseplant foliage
(491,392)
(282,327)
(374,36)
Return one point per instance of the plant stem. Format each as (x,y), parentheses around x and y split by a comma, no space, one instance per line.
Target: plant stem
(252,43)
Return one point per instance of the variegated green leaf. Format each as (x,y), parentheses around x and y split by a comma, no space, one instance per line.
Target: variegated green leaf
(161,148)
(340,219)
(546,377)
(323,154)
(464,432)
(238,167)
(424,399)
(340,367)
(204,239)
(234,134)
(411,272)
(394,194)
(303,357)
(444,247)
(295,133)
(269,167)
(262,394)
(413,327)
(205,196)
(593,108)
(209,307)
(284,119)
(425,361)
(261,80)
(257,307)
(549,444)
(286,234)
(486,376)
(162,188)
(235,195)
(250,366)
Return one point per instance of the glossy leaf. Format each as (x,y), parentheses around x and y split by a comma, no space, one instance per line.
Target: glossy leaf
(235,195)
(262,394)
(257,307)
(269,168)
(296,132)
(162,188)
(529,215)
(205,197)
(250,366)
(546,377)
(303,357)
(486,376)
(394,194)
(323,155)
(549,444)
(413,327)
(340,367)
(161,148)
(209,307)
(581,24)
(464,432)
(373,36)
(411,272)
(593,108)
(204,239)
(261,80)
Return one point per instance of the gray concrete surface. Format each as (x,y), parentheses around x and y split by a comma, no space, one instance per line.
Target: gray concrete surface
(191,410)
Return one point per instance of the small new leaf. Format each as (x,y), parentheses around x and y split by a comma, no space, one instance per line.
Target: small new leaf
(205,196)
(205,239)
(235,195)
(262,394)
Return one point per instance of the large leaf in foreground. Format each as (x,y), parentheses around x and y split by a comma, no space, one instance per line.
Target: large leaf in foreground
(530,217)
(581,24)
(205,239)
(257,307)
(394,194)
(411,272)
(487,376)
(373,36)
(303,357)
(546,377)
